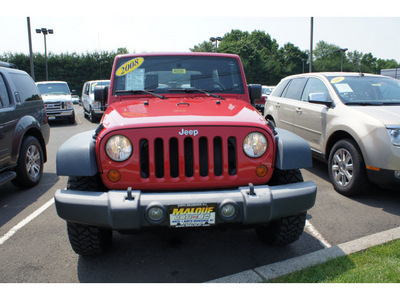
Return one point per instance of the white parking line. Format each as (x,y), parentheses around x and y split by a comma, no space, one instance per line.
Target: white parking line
(311,230)
(25,221)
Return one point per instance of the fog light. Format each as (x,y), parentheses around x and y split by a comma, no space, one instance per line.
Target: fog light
(261,170)
(155,214)
(228,211)
(114,175)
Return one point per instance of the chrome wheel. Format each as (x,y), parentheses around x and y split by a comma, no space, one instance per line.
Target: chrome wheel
(342,167)
(33,162)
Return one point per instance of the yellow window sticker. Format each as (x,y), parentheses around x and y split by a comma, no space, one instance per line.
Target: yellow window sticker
(129,66)
(337,79)
(178,71)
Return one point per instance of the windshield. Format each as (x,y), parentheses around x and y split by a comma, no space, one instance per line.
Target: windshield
(366,90)
(53,88)
(177,74)
(267,90)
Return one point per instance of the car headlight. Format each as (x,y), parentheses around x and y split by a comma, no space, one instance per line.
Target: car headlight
(70,105)
(394,134)
(118,148)
(255,144)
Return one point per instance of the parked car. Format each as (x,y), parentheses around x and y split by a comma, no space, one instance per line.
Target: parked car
(350,120)
(57,98)
(180,146)
(92,109)
(24,130)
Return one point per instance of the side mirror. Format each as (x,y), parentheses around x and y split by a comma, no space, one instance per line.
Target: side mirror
(255,92)
(101,95)
(319,98)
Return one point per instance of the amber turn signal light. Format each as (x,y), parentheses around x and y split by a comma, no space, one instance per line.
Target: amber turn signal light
(261,170)
(114,175)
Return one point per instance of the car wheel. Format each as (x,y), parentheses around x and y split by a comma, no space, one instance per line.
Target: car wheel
(88,240)
(347,170)
(72,119)
(286,230)
(30,163)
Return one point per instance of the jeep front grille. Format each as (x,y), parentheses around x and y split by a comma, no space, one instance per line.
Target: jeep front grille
(182,156)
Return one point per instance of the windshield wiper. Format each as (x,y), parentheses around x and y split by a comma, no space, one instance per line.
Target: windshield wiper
(193,90)
(365,103)
(140,91)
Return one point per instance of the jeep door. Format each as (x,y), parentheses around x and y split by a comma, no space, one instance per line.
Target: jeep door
(310,118)
(288,102)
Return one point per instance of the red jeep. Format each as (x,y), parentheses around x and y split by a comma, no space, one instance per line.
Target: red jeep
(181,146)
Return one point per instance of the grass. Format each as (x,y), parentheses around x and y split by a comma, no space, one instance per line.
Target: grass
(378,264)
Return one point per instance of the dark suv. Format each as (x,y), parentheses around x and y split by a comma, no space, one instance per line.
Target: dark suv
(24,129)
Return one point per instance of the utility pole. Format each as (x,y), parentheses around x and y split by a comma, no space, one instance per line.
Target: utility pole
(311,43)
(30,47)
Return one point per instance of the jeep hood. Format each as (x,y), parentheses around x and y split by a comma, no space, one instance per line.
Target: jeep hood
(181,111)
(388,115)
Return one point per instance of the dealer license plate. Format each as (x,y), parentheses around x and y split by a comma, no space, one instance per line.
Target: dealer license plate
(192,215)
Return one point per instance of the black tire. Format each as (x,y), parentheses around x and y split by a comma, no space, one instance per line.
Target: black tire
(88,240)
(285,230)
(346,168)
(30,163)
(72,119)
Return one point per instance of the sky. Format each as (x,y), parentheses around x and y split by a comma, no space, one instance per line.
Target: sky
(177,25)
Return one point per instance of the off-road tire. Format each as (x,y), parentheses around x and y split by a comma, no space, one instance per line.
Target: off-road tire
(30,163)
(359,180)
(285,230)
(88,240)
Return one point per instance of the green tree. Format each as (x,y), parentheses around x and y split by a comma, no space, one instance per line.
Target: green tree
(203,47)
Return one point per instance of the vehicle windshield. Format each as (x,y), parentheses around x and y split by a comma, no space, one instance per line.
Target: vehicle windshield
(366,90)
(53,88)
(98,83)
(178,74)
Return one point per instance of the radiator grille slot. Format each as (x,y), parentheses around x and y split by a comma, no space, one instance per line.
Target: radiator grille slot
(204,153)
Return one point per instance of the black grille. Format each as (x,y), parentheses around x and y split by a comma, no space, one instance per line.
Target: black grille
(196,152)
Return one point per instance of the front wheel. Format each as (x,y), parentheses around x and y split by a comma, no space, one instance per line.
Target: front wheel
(88,240)
(30,163)
(288,229)
(346,166)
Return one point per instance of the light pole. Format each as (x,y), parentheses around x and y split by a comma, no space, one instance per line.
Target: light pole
(45,32)
(216,40)
(343,50)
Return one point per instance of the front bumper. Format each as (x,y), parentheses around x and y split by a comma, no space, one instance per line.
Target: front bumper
(60,114)
(114,210)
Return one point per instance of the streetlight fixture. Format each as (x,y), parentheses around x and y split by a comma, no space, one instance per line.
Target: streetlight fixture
(216,40)
(343,50)
(45,32)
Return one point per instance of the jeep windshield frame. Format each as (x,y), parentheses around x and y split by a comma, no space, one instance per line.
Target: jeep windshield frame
(178,74)
(366,90)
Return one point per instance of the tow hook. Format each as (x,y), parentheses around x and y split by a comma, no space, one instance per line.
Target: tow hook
(129,194)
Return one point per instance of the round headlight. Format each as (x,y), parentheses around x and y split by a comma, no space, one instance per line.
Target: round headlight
(255,144)
(118,148)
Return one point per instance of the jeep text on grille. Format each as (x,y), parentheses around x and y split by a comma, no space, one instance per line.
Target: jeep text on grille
(181,145)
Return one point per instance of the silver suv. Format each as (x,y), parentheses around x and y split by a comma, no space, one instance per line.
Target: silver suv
(350,120)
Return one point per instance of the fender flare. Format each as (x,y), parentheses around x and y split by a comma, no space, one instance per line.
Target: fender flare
(293,152)
(77,156)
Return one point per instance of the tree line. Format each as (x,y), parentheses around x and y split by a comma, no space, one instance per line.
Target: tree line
(264,61)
